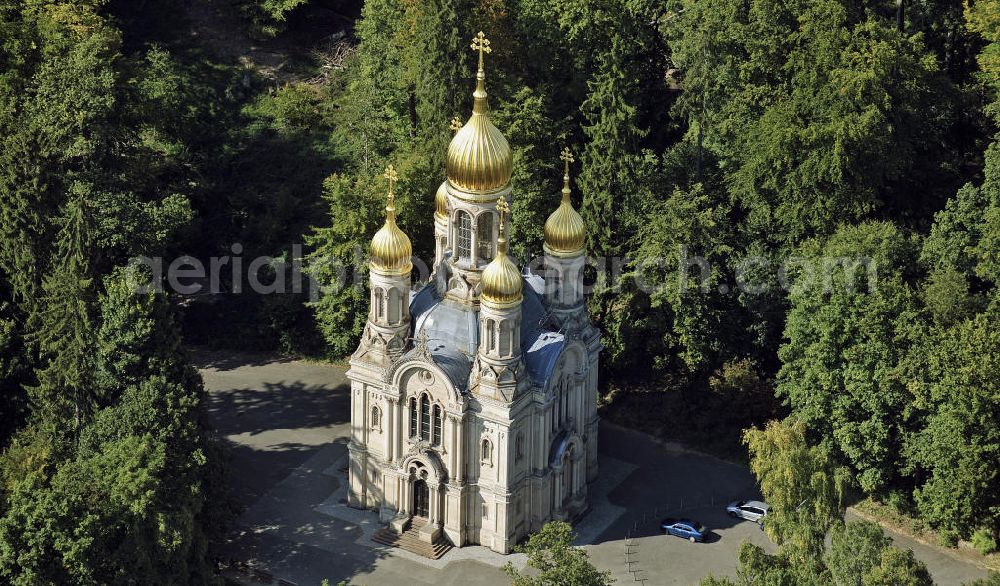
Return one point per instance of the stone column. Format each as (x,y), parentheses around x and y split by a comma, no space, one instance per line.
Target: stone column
(389,409)
(434,505)
(453,448)
(404,495)
(402,424)
(460,455)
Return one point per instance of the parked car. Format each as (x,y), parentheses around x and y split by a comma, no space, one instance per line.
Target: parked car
(750,510)
(686,528)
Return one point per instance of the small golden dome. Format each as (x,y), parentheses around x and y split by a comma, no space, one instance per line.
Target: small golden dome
(441,201)
(565,232)
(479,157)
(391,251)
(502,282)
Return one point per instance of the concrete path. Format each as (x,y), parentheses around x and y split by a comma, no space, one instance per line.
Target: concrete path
(287,423)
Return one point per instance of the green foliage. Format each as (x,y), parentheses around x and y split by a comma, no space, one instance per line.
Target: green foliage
(800,484)
(983,18)
(337,261)
(854,551)
(552,554)
(107,479)
(687,226)
(953,449)
(947,296)
(993,580)
(128,503)
(984,541)
(14,370)
(852,318)
(63,328)
(757,567)
(897,567)
(954,237)
(138,338)
(269,18)
(817,114)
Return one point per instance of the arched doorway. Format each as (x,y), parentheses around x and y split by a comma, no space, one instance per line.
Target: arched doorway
(421,498)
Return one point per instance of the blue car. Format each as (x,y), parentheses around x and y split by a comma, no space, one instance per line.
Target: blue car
(686,528)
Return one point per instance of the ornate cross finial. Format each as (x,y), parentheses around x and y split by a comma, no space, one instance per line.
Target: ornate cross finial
(504,209)
(567,157)
(456,124)
(482,44)
(420,342)
(391,176)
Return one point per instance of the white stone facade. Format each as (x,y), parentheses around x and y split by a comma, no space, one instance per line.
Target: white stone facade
(482,420)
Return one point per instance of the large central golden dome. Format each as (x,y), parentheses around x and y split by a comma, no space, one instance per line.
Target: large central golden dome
(479,157)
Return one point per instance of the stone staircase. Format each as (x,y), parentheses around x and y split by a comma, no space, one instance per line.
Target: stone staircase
(411,542)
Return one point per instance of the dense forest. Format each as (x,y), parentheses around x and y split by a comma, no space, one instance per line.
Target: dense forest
(764,137)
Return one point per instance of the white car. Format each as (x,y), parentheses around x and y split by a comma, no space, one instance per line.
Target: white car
(750,510)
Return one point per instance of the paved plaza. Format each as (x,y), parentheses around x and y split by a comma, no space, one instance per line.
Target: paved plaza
(287,424)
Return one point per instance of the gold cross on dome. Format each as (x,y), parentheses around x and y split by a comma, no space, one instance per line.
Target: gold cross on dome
(391,176)
(482,44)
(567,157)
(504,209)
(456,124)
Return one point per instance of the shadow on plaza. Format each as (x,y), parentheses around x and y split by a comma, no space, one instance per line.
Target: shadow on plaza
(281,405)
(284,534)
(283,410)
(203,357)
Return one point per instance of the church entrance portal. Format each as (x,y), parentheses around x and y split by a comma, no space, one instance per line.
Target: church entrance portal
(421,499)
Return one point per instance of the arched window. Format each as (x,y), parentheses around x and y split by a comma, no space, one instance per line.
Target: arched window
(491,335)
(484,236)
(505,337)
(413,417)
(378,305)
(376,418)
(425,418)
(487,452)
(395,307)
(464,238)
(436,438)
(519,447)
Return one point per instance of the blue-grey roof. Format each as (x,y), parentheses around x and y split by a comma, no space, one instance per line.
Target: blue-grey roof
(455,364)
(453,333)
(540,345)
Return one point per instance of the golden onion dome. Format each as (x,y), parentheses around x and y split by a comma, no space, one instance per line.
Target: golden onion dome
(391,251)
(479,157)
(441,201)
(502,284)
(565,232)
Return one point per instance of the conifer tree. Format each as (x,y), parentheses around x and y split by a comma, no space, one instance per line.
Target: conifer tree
(63,327)
(138,337)
(338,261)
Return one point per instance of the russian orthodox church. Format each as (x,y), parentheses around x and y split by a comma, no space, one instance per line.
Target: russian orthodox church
(473,399)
